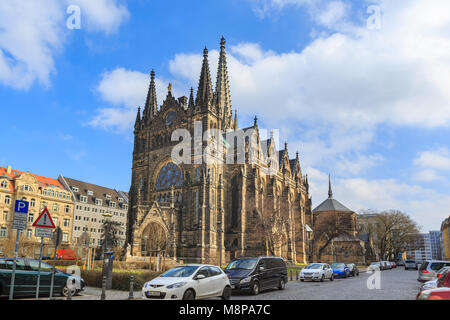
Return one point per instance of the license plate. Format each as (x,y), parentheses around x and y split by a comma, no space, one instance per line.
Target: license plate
(233,286)
(154,293)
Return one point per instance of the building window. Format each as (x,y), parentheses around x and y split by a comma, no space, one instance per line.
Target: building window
(51,193)
(112,204)
(5,216)
(98,202)
(74,189)
(29,233)
(44,192)
(3,232)
(66,223)
(67,209)
(90,193)
(7,200)
(55,221)
(55,207)
(33,203)
(4,184)
(30,217)
(83,199)
(120,200)
(26,188)
(65,237)
(108,197)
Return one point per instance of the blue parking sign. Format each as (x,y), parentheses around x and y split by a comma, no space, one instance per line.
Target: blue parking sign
(21,206)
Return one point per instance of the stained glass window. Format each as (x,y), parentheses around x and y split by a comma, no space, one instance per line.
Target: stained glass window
(170,175)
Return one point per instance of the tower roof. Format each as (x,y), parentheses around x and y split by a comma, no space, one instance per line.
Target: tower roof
(222,95)
(204,92)
(151,104)
(331,204)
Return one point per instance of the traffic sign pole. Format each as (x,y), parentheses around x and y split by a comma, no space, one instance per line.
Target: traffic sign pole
(13,275)
(39,269)
(57,239)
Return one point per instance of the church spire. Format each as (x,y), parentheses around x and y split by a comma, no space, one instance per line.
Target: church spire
(138,118)
(330,192)
(204,92)
(222,94)
(151,105)
(236,126)
(191,100)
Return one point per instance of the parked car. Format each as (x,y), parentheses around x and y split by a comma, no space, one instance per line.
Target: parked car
(428,269)
(410,264)
(393,265)
(317,272)
(400,263)
(434,294)
(354,271)
(441,272)
(190,282)
(435,283)
(340,270)
(257,274)
(375,266)
(26,278)
(444,280)
(387,265)
(66,254)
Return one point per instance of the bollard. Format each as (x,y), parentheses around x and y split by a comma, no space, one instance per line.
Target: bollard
(69,293)
(291,274)
(103,297)
(296,275)
(131,296)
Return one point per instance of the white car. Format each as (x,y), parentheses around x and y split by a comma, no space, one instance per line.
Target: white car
(190,282)
(316,271)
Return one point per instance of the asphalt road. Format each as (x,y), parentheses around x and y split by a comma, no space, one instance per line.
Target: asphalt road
(396,284)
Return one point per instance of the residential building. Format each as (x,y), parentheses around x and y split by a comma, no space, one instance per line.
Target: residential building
(445,237)
(40,192)
(93,204)
(419,248)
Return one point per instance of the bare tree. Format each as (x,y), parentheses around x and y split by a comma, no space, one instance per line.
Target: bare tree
(326,229)
(273,230)
(110,237)
(394,232)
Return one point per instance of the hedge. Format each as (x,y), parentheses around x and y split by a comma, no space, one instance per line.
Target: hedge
(120,280)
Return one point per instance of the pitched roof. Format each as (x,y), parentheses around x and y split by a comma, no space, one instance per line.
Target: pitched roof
(44,182)
(331,205)
(98,192)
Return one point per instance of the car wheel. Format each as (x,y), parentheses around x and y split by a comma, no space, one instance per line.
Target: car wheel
(282,284)
(323,278)
(332,278)
(357,274)
(65,292)
(226,295)
(255,288)
(302,280)
(189,295)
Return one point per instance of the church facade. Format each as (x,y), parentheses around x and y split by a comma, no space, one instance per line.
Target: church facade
(233,194)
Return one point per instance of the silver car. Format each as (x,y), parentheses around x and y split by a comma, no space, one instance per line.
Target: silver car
(410,264)
(429,269)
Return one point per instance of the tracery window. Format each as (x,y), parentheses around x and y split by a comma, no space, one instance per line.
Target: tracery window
(170,175)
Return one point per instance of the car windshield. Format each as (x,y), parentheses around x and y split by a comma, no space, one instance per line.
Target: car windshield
(180,272)
(338,265)
(314,266)
(442,278)
(410,261)
(375,264)
(242,264)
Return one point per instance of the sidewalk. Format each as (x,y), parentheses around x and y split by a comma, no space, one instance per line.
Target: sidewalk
(91,293)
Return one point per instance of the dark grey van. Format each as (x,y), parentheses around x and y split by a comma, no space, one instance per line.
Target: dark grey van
(257,274)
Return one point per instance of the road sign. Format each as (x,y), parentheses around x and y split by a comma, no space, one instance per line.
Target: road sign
(20,221)
(44,233)
(21,206)
(44,220)
(57,236)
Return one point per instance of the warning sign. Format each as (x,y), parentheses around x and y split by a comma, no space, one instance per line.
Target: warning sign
(44,220)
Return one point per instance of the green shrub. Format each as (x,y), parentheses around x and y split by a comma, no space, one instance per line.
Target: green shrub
(120,280)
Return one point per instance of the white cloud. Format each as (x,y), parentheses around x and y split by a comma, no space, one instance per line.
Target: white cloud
(125,90)
(434,159)
(32,33)
(426,176)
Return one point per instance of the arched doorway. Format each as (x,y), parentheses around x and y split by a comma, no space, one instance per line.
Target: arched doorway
(154,238)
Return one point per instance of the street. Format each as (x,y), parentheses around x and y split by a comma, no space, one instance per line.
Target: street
(396,284)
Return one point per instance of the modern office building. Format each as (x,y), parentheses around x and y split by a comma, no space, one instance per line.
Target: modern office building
(420,247)
(436,249)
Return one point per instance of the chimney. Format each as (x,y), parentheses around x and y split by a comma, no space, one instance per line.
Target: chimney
(8,170)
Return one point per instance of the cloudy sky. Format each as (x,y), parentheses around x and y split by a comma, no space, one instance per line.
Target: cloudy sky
(360,88)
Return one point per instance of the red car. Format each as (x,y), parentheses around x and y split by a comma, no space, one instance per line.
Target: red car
(434,294)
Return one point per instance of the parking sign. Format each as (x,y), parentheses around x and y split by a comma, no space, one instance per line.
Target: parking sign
(21,206)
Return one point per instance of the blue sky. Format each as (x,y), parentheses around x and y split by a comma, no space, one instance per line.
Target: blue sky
(370,105)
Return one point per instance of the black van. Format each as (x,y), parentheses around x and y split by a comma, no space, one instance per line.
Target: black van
(257,274)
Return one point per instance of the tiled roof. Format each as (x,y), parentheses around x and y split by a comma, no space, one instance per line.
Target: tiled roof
(99,192)
(44,182)
(331,205)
